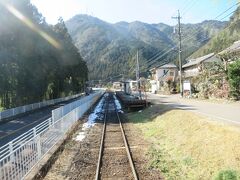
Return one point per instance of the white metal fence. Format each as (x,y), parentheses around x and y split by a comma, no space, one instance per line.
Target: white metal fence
(19,156)
(23,109)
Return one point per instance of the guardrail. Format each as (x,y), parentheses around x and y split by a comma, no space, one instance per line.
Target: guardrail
(23,109)
(19,156)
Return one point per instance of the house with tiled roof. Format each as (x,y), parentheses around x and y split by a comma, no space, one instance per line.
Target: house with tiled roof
(233,49)
(230,54)
(194,66)
(163,74)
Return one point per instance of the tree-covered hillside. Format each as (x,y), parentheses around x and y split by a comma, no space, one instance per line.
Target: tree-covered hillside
(223,39)
(37,61)
(110,49)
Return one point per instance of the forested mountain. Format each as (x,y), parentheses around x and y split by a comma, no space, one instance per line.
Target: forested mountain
(37,61)
(110,49)
(223,39)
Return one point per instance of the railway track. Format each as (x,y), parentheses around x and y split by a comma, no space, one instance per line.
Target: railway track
(115,160)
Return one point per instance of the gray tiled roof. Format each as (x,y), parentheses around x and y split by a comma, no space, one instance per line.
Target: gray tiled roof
(198,60)
(167,66)
(233,48)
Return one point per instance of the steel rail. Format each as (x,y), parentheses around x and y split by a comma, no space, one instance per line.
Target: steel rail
(125,144)
(102,144)
(127,147)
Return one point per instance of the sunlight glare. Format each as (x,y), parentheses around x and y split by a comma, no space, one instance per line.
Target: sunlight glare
(28,23)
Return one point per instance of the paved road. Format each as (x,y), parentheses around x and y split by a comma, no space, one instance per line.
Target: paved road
(228,112)
(17,126)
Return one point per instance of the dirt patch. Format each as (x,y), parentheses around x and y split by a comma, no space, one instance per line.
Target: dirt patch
(78,159)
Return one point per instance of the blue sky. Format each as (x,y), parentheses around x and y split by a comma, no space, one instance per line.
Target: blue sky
(150,11)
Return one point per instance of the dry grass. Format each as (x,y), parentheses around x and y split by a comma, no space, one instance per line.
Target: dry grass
(189,146)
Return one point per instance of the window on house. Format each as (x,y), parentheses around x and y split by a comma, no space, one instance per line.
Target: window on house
(171,74)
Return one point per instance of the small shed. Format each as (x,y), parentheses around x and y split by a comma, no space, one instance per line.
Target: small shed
(117,85)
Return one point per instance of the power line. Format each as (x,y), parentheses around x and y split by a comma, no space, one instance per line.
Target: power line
(153,61)
(156,55)
(190,7)
(227,10)
(228,15)
(218,17)
(163,55)
(166,62)
(189,37)
(185,5)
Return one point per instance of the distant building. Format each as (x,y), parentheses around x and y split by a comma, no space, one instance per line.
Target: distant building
(129,86)
(117,85)
(133,85)
(162,74)
(195,66)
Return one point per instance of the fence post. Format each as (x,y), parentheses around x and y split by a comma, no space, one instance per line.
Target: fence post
(13,111)
(11,151)
(76,114)
(49,122)
(24,109)
(38,142)
(62,111)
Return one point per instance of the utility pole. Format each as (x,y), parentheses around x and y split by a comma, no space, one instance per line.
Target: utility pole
(180,52)
(137,68)
(137,75)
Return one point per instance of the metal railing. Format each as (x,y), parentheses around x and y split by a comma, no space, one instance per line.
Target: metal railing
(23,109)
(19,156)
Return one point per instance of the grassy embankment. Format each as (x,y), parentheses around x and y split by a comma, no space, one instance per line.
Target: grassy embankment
(189,146)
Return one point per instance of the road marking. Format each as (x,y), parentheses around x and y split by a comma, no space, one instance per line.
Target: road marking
(175,104)
(221,118)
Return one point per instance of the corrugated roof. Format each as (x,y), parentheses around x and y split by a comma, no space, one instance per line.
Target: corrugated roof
(198,60)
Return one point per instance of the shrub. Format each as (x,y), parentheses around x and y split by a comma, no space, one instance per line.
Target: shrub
(227,175)
(234,78)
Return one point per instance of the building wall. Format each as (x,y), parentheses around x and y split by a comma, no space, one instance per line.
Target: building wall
(159,73)
(133,85)
(117,85)
(191,71)
(159,79)
(173,73)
